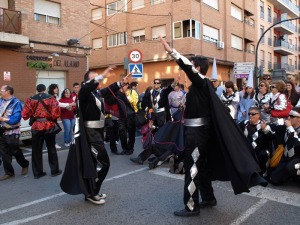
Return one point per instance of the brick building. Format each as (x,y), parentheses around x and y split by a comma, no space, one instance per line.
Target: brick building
(225,30)
(35,34)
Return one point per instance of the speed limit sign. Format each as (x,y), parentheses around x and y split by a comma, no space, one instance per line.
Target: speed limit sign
(135,56)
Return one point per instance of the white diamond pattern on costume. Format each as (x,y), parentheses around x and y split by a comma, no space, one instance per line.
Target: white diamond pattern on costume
(193,171)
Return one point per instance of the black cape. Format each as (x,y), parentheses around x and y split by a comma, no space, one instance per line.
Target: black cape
(80,170)
(231,156)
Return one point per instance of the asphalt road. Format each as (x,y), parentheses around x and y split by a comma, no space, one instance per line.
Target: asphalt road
(138,196)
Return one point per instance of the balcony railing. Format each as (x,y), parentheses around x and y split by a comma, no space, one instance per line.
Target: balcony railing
(10,21)
(285,66)
(286,24)
(284,44)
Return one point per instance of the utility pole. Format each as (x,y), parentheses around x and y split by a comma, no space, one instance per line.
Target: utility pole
(255,77)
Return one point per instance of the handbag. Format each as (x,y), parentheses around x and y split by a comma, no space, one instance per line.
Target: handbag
(277,156)
(282,113)
(140,118)
(112,108)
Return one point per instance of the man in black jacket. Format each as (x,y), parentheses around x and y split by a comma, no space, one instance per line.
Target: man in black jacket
(89,152)
(211,152)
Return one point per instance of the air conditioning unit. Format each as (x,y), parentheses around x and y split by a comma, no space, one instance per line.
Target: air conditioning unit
(220,45)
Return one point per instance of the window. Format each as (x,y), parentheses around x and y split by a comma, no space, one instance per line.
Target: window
(236,42)
(97,43)
(262,58)
(187,28)
(46,11)
(160,30)
(262,30)
(155,2)
(137,4)
(269,14)
(116,7)
(252,49)
(262,14)
(117,39)
(236,12)
(212,3)
(210,34)
(96,14)
(138,36)
(269,60)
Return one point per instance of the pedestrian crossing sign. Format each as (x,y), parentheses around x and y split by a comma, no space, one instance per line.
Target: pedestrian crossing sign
(136,70)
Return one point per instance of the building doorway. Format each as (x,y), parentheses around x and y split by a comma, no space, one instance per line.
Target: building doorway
(53,77)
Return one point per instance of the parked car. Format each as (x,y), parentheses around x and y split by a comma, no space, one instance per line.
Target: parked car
(25,136)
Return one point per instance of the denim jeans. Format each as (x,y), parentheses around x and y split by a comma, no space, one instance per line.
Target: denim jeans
(68,127)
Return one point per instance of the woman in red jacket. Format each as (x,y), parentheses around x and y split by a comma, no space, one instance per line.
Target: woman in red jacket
(67,116)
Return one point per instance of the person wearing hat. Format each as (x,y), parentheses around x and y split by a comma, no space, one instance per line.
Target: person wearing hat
(45,110)
(247,100)
(215,80)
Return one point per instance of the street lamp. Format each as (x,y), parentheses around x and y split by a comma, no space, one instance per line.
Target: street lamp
(256,50)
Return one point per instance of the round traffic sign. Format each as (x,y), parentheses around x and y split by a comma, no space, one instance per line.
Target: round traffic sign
(135,56)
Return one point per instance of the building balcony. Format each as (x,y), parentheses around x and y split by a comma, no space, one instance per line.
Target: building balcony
(284,48)
(286,6)
(10,28)
(287,67)
(285,27)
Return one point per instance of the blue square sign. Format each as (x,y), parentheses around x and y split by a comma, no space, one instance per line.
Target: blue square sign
(136,70)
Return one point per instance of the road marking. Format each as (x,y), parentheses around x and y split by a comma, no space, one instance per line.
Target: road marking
(284,197)
(31,203)
(29,219)
(249,212)
(63,193)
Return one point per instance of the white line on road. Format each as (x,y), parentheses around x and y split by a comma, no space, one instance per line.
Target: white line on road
(284,197)
(63,193)
(249,212)
(31,203)
(29,218)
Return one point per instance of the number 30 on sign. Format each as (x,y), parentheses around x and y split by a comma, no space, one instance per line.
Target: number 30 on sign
(135,56)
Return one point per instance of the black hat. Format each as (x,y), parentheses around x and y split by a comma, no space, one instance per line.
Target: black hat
(40,88)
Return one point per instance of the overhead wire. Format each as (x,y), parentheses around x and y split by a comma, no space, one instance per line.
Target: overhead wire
(118,11)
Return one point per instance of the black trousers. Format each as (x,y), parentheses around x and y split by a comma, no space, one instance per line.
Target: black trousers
(160,153)
(197,172)
(127,127)
(38,139)
(284,170)
(96,141)
(9,146)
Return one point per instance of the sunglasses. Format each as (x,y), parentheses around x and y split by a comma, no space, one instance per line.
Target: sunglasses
(252,114)
(213,81)
(272,87)
(268,78)
(262,85)
(293,116)
(157,83)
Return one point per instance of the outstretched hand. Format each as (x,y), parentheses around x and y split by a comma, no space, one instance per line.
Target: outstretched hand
(165,44)
(108,72)
(126,78)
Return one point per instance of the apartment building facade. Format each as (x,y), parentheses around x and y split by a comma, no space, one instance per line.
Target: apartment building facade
(278,52)
(43,42)
(226,30)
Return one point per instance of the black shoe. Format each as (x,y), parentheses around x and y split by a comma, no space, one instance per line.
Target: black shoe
(137,160)
(186,213)
(204,204)
(40,175)
(56,174)
(129,152)
(152,165)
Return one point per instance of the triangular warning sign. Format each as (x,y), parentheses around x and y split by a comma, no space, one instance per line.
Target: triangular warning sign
(136,70)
